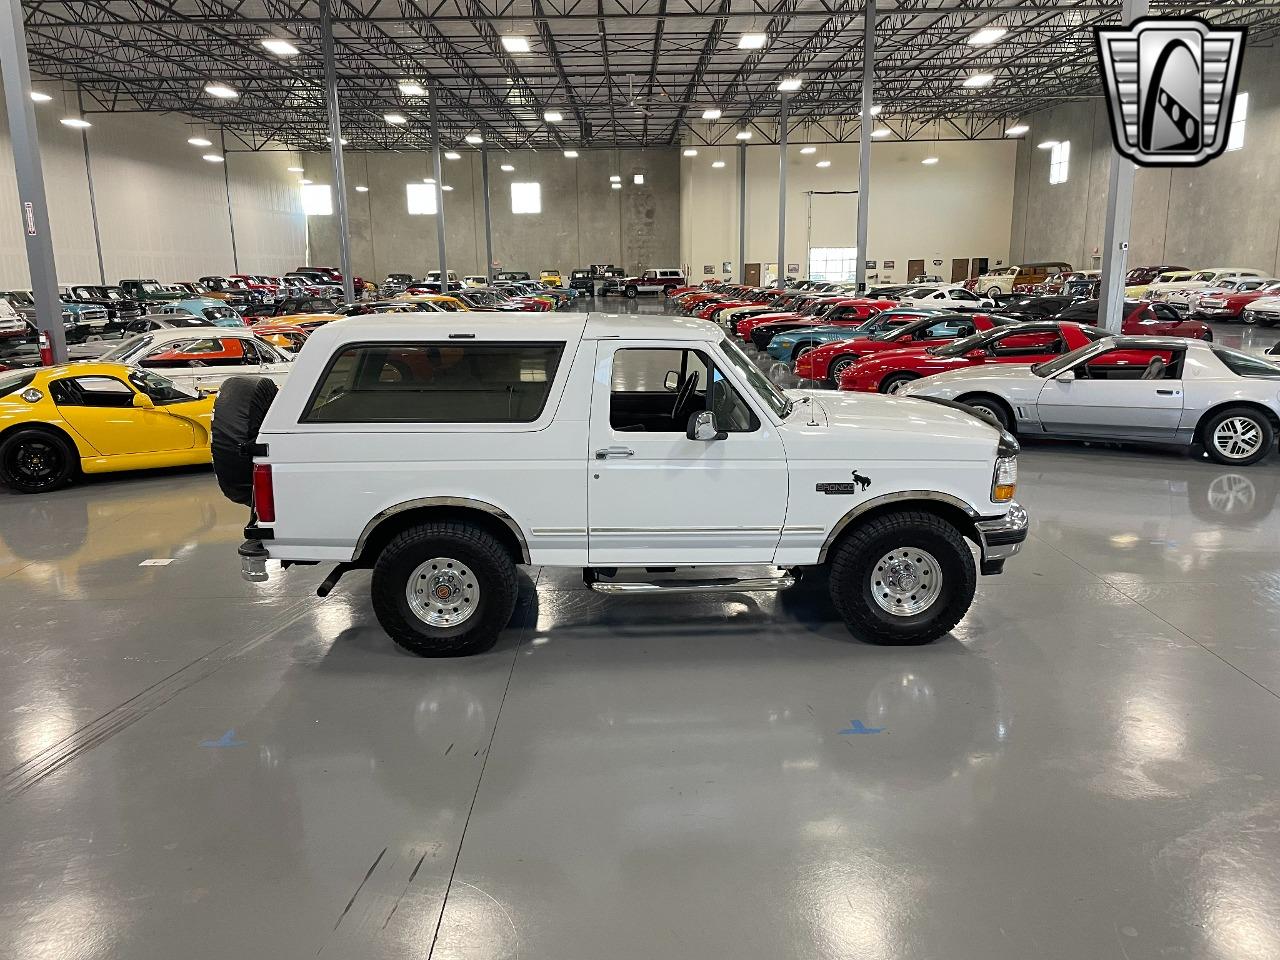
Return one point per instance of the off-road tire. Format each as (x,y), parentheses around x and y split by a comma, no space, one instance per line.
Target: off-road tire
(59,458)
(630,292)
(853,562)
(238,412)
(486,558)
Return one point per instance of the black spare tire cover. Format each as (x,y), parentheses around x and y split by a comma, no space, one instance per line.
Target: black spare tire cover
(238,412)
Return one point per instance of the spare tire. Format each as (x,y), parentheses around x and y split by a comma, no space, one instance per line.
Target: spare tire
(238,412)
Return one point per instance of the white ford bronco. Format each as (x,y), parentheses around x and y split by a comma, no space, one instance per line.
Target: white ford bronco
(442,450)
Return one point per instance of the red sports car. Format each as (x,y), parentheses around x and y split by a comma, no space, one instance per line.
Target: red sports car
(852,313)
(890,370)
(830,361)
(1141,318)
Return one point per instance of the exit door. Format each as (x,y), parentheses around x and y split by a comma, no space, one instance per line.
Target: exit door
(980,266)
(959,269)
(751,276)
(915,268)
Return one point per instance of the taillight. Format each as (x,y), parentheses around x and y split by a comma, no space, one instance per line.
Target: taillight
(264,496)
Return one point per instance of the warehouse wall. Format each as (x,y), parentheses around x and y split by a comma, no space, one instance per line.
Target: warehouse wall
(958,208)
(1221,214)
(161,209)
(583,220)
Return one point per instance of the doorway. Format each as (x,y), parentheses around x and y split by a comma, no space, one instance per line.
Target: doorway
(751,275)
(980,266)
(959,269)
(915,268)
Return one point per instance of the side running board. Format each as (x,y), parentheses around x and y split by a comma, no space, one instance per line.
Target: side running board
(722,585)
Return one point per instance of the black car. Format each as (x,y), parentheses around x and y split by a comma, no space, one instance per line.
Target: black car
(583,280)
(1026,307)
(120,307)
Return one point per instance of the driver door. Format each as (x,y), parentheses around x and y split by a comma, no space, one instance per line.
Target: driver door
(655,497)
(1113,397)
(100,408)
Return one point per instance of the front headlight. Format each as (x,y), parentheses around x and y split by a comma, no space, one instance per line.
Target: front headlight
(1004,480)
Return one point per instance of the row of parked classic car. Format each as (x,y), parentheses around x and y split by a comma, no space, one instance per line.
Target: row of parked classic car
(1033,364)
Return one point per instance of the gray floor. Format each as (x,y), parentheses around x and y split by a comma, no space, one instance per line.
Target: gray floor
(1088,768)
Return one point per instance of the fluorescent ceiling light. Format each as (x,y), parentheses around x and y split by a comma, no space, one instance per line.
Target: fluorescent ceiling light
(986,36)
(452,155)
(688,152)
(717,164)
(281,48)
(362,189)
(614,178)
(638,179)
(395,118)
(790,84)
(881,132)
(808,150)
(428,180)
(507,168)
(445,186)
(213,157)
(411,88)
(515,43)
(616,186)
(1047,145)
(39,97)
(875,109)
(343,141)
(742,135)
(220,90)
(553,116)
(304,181)
(1017,130)
(711,113)
(200,141)
(823,163)
(474,139)
(290,169)
(752,41)
(571,154)
(929,161)
(979,80)
(78,122)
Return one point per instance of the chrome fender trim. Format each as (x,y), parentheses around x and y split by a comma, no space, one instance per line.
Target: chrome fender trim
(899,496)
(480,505)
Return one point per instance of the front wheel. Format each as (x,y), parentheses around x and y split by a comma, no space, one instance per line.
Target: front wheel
(991,409)
(444,589)
(902,579)
(1238,436)
(994,291)
(36,461)
(838,367)
(630,292)
(894,383)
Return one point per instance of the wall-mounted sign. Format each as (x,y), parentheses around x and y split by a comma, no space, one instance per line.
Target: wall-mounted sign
(871,264)
(726,266)
(29,212)
(937,263)
(888,264)
(709,268)
(793,268)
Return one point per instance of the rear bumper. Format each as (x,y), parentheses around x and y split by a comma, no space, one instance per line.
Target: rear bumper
(1002,537)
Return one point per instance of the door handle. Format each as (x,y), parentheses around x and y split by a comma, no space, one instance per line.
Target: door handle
(606,453)
(1167,393)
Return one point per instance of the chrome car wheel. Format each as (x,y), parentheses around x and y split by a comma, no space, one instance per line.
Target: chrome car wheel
(1238,438)
(906,582)
(442,592)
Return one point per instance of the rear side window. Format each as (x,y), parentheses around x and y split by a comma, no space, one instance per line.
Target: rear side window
(447,382)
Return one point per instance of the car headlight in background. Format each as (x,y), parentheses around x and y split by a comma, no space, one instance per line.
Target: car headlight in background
(1004,481)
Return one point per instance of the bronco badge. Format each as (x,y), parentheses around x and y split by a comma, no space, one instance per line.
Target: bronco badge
(857,485)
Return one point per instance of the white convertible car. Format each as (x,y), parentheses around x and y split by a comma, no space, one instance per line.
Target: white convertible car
(199,360)
(1144,389)
(945,295)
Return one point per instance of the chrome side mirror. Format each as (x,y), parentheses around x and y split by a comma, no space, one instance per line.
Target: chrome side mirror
(703,426)
(671,381)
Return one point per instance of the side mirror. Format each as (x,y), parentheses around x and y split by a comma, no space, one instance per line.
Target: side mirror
(702,426)
(672,381)
(1066,375)
(143,402)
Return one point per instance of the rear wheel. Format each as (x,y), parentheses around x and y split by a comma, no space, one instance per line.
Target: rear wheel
(896,381)
(993,291)
(902,579)
(1238,436)
(444,589)
(36,461)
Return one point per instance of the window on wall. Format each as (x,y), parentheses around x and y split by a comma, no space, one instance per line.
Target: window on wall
(833,263)
(1235,136)
(422,198)
(526,198)
(317,200)
(1060,162)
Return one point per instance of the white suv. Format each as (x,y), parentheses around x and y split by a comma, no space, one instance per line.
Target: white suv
(442,450)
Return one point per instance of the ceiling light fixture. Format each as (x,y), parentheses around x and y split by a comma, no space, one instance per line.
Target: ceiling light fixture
(221,91)
(986,36)
(394,118)
(979,80)
(342,141)
(614,178)
(616,186)
(808,150)
(362,189)
(290,169)
(452,155)
(638,179)
(823,164)
(281,48)
(711,113)
(571,154)
(445,186)
(200,141)
(305,182)
(717,164)
(875,110)
(474,139)
(39,97)
(881,132)
(1047,145)
(214,157)
(411,88)
(507,168)
(515,43)
(752,41)
(742,135)
(78,122)
(929,161)
(1017,130)
(688,152)
(790,84)
(553,116)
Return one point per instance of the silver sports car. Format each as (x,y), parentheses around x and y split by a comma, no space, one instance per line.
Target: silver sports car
(1152,389)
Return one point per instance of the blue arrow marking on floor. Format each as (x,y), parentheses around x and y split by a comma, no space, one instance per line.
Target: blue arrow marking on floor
(228,739)
(856,726)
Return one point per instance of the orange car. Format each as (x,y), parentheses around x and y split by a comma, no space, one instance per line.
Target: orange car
(286,336)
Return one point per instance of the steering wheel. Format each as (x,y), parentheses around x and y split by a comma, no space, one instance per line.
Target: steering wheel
(684,395)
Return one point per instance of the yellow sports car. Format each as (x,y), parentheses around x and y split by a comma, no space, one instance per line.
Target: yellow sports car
(57,422)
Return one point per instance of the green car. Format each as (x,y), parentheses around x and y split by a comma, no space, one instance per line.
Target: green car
(150,291)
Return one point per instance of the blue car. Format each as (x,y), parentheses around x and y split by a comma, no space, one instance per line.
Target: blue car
(783,346)
(215,311)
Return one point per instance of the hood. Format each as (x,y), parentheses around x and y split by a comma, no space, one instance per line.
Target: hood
(986,371)
(894,426)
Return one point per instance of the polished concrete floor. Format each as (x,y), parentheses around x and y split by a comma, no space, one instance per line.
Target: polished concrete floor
(1087,768)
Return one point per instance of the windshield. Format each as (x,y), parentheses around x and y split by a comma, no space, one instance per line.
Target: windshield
(899,328)
(128,349)
(1051,367)
(1203,275)
(958,348)
(158,388)
(15,381)
(150,286)
(761,384)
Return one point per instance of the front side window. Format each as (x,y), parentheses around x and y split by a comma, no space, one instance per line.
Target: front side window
(91,391)
(656,390)
(446,382)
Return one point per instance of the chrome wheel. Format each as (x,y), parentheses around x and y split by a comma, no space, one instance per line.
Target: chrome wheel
(1238,438)
(442,592)
(906,581)
(897,386)
(1232,494)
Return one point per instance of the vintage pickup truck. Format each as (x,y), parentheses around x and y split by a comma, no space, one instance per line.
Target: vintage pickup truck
(442,450)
